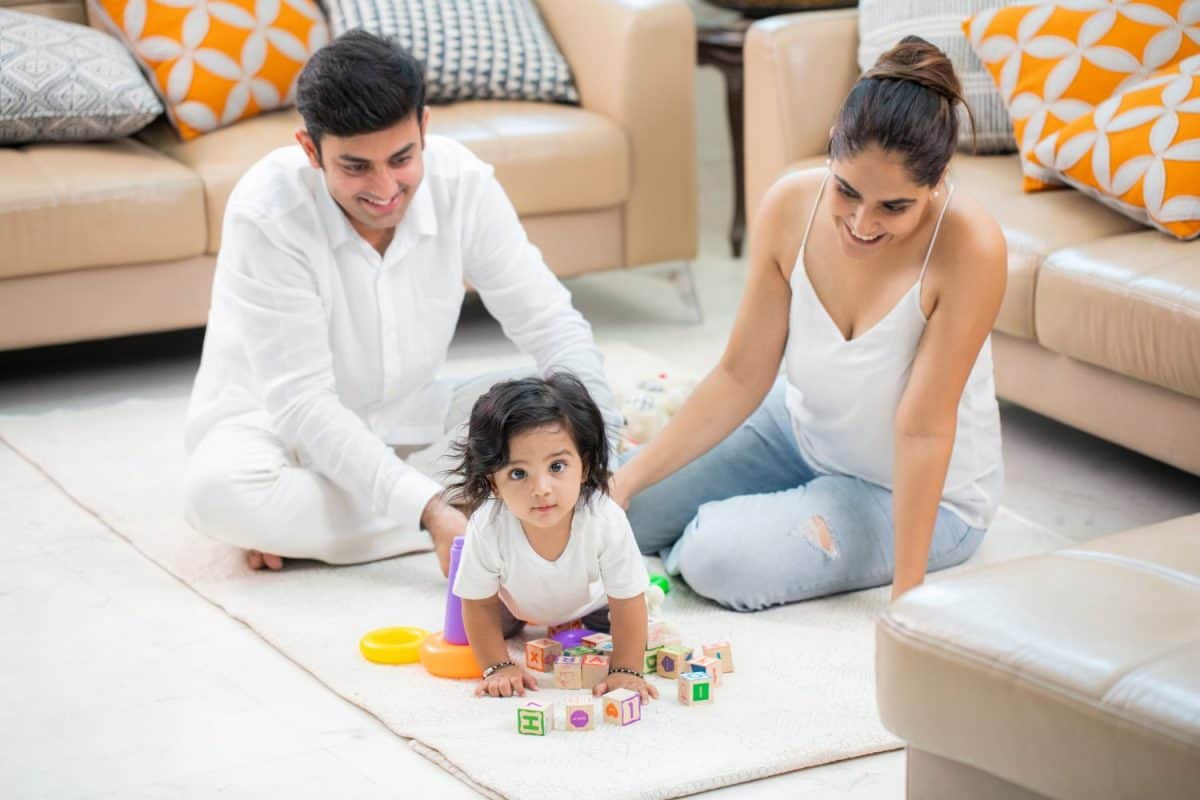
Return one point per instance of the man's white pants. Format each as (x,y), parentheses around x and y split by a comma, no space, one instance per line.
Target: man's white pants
(245,487)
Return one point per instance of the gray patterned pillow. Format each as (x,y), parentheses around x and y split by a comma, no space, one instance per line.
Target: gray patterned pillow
(471,49)
(63,82)
(883,23)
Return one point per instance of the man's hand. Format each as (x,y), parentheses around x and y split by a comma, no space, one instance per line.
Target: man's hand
(444,522)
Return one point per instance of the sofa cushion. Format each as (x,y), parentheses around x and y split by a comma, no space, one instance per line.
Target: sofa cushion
(1035,225)
(470,49)
(1075,674)
(548,158)
(1139,150)
(216,64)
(1130,304)
(63,82)
(1053,64)
(73,206)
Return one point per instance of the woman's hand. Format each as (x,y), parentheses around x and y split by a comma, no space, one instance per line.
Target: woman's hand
(618,487)
(623,680)
(506,682)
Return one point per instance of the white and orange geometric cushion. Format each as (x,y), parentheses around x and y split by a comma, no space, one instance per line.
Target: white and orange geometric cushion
(217,61)
(1139,152)
(1056,61)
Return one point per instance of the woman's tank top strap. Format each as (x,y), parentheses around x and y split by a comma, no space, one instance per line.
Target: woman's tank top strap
(812,215)
(937,227)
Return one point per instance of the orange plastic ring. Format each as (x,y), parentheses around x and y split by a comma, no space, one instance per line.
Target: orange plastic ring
(392,645)
(448,660)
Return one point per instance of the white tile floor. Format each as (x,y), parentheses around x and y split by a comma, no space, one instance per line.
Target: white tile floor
(143,689)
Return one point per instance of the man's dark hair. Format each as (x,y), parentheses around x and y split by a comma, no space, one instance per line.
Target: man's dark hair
(512,407)
(358,83)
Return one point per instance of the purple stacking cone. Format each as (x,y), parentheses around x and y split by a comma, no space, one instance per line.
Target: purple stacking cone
(453,630)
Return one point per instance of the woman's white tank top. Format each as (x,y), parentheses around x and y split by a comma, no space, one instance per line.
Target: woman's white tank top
(842,395)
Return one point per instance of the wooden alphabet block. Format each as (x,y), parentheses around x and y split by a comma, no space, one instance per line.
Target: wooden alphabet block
(595,670)
(579,650)
(695,688)
(568,672)
(595,640)
(605,648)
(672,660)
(540,654)
(650,661)
(723,651)
(708,665)
(622,707)
(535,719)
(581,713)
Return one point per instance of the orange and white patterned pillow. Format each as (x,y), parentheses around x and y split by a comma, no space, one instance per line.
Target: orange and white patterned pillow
(1056,61)
(1139,152)
(215,62)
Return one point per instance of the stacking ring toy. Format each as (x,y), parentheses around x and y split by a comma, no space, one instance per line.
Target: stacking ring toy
(392,645)
(448,660)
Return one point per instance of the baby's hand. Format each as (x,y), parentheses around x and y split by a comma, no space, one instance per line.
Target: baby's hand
(506,682)
(623,680)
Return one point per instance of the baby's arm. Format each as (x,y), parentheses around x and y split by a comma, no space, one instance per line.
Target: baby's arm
(481,618)
(628,619)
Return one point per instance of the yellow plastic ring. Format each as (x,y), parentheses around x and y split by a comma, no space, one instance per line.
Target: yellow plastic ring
(448,660)
(392,645)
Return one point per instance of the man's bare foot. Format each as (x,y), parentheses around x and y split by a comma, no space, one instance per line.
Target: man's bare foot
(258,560)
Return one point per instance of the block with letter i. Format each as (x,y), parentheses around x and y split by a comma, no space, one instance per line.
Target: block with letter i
(535,719)
(672,660)
(722,651)
(568,672)
(540,654)
(708,665)
(581,713)
(695,688)
(595,670)
(622,707)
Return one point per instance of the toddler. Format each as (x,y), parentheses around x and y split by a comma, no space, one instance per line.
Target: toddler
(545,543)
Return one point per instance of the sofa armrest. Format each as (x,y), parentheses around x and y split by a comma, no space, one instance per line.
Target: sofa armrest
(798,70)
(634,62)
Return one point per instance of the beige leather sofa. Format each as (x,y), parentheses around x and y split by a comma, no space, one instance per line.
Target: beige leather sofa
(1100,327)
(107,239)
(1070,675)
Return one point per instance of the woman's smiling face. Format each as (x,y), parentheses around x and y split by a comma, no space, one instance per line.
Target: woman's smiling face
(874,202)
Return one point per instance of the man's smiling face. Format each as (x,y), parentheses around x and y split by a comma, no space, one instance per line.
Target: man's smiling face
(372,176)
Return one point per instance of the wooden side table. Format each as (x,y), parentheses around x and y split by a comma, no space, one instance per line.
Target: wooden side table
(720,46)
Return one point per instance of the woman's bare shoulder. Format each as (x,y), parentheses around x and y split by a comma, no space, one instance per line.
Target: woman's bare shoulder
(971,245)
(787,207)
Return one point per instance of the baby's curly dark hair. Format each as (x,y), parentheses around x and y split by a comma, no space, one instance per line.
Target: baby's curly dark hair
(511,407)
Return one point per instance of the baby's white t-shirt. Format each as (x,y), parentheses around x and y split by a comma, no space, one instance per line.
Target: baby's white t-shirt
(601,560)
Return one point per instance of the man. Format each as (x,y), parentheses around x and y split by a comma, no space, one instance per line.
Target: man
(337,292)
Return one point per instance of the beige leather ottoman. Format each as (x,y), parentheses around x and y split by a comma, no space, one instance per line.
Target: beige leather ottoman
(1070,675)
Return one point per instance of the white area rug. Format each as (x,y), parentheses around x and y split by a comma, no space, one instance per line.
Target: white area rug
(803,693)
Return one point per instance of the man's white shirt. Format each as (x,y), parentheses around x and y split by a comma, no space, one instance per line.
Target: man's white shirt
(336,349)
(601,560)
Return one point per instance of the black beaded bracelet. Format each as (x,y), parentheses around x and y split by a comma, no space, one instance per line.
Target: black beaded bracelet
(494,668)
(625,671)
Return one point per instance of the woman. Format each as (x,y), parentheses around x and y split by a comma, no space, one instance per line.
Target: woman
(877,455)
